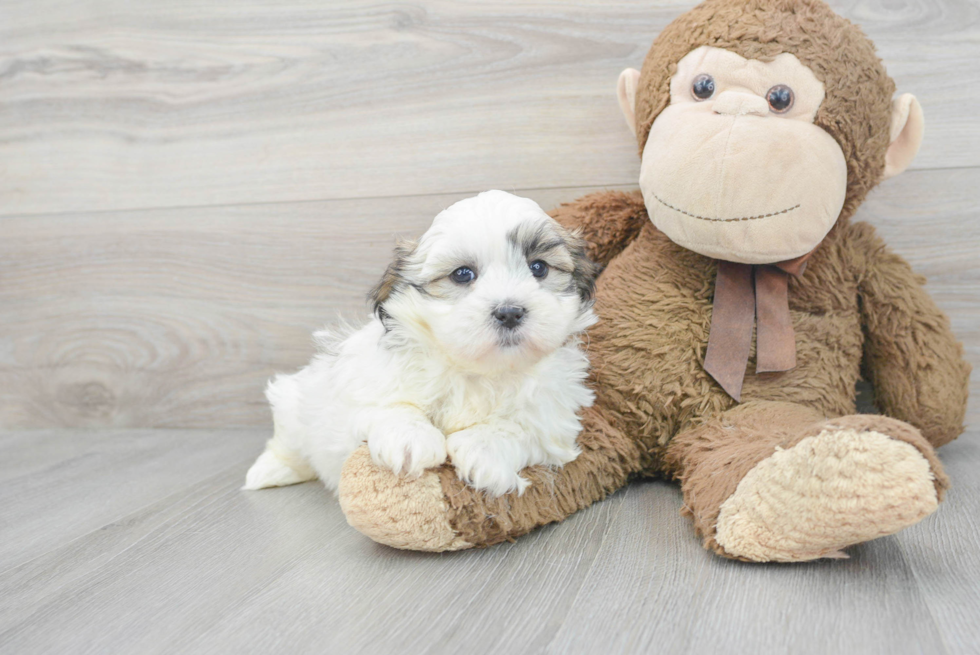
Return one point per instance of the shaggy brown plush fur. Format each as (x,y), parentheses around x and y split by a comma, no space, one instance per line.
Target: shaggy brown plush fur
(857,308)
(658,413)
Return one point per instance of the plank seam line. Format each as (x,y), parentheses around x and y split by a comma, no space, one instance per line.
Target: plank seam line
(307,201)
(632,183)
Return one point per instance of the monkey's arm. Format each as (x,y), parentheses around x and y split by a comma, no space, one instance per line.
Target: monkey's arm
(607,220)
(910,354)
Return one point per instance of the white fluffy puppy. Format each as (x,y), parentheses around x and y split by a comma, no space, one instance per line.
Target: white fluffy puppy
(473,352)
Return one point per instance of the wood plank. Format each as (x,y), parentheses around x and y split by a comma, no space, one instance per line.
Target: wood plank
(34,582)
(59,485)
(643,581)
(141,599)
(112,104)
(654,589)
(213,568)
(208,568)
(942,550)
(171,318)
(509,598)
(870,603)
(176,318)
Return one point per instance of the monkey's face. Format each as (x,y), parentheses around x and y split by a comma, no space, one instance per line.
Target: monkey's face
(734,167)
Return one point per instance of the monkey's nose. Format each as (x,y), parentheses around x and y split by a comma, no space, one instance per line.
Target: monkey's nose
(509,316)
(736,103)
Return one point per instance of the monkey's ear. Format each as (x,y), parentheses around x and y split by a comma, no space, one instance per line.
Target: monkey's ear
(626,91)
(906,134)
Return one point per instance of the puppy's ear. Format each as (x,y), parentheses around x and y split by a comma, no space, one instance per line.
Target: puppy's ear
(393,277)
(585,271)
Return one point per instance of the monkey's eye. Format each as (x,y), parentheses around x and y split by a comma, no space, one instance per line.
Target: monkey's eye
(703,87)
(780,98)
(463,275)
(538,268)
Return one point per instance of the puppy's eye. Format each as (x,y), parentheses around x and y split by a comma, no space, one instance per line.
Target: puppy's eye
(463,275)
(538,268)
(703,86)
(780,98)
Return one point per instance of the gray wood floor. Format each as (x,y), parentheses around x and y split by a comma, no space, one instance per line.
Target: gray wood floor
(141,542)
(188,189)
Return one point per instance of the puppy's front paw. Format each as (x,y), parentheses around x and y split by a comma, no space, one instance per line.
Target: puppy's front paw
(487,460)
(407,448)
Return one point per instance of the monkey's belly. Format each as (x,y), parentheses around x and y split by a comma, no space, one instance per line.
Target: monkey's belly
(647,354)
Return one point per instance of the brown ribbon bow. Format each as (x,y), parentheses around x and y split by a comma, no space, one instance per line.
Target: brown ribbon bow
(738,304)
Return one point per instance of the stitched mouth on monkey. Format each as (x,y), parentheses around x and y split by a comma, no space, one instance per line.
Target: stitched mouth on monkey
(725,220)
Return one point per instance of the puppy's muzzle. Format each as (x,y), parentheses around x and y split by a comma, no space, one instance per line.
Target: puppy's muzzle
(509,316)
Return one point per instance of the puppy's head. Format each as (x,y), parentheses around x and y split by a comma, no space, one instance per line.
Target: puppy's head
(494,284)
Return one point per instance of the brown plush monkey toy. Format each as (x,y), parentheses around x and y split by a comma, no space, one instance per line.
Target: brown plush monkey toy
(738,307)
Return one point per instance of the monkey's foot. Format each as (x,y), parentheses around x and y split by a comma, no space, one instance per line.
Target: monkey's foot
(401,512)
(845,485)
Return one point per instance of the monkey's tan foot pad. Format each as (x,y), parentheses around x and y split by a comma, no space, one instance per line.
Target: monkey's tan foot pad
(829,491)
(401,512)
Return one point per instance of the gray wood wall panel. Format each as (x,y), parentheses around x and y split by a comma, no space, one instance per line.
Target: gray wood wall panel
(177,317)
(112,104)
(223,119)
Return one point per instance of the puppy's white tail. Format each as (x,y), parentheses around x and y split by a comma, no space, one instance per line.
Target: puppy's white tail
(281,464)
(276,469)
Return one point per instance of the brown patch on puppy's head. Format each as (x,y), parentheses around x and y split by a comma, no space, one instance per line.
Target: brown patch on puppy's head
(393,277)
(563,250)
(856,111)
(585,271)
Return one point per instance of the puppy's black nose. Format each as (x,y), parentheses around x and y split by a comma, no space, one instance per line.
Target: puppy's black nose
(509,316)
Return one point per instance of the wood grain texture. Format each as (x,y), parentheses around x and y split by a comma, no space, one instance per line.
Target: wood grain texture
(177,317)
(187,190)
(54,489)
(112,104)
(216,569)
(206,568)
(477,601)
(661,592)
(169,318)
(943,554)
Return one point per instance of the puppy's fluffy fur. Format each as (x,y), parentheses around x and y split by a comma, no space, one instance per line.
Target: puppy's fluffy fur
(488,370)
